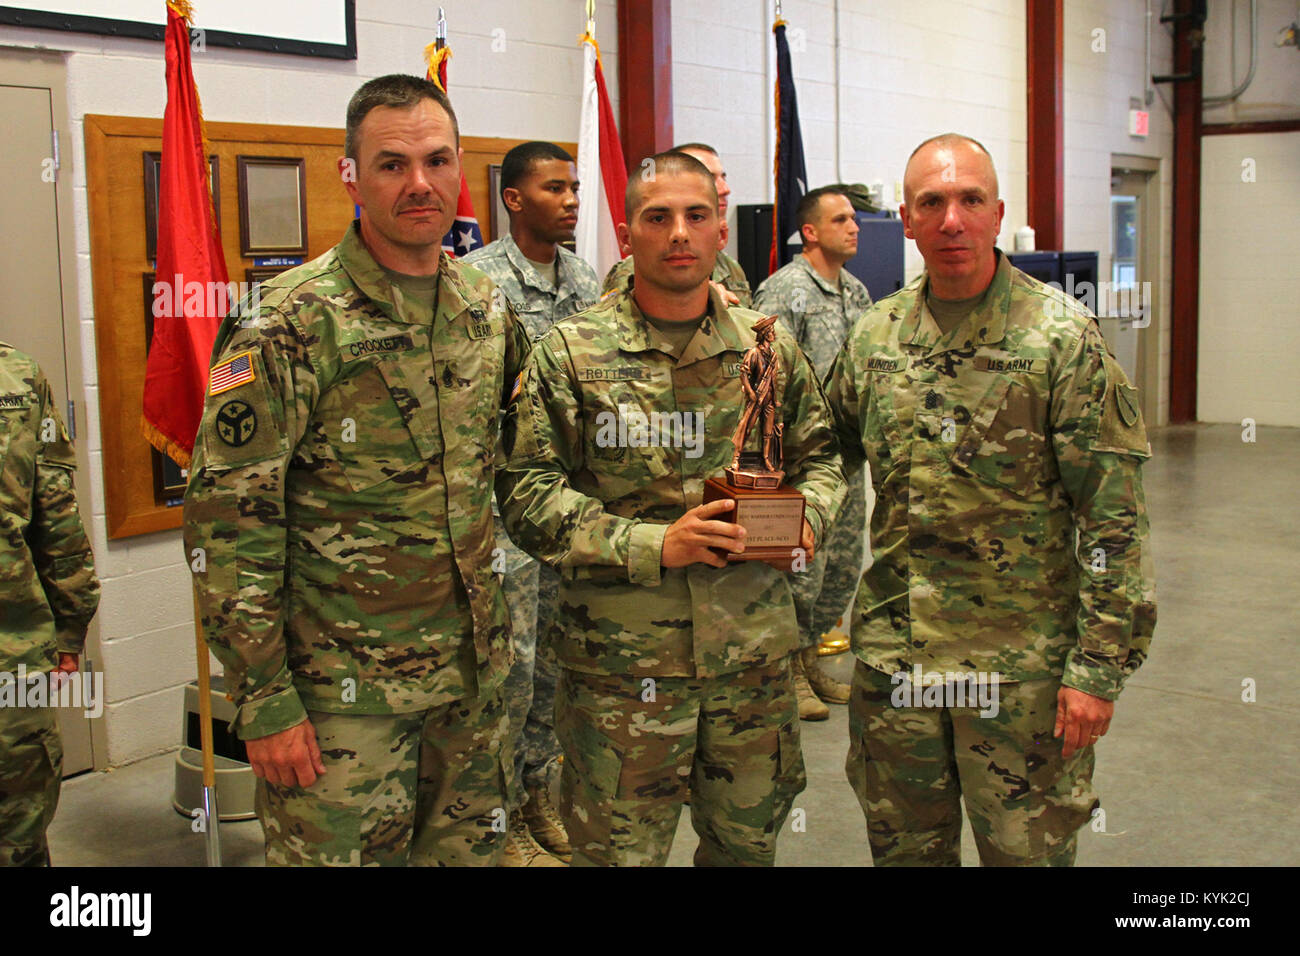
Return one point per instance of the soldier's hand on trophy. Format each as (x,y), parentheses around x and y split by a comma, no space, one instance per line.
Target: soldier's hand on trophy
(1082,718)
(689,539)
(806,540)
(288,758)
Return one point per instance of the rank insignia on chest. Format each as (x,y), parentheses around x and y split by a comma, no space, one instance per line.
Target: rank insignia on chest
(231,373)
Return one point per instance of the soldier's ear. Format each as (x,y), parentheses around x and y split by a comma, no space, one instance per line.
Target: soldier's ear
(624,239)
(513,199)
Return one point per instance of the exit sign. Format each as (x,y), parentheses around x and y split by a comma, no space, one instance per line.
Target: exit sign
(1137,122)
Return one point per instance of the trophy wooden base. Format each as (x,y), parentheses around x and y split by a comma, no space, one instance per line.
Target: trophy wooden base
(771,517)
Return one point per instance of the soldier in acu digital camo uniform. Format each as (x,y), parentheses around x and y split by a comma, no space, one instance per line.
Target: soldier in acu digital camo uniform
(543,282)
(341,496)
(674,664)
(997,425)
(726,270)
(50,595)
(818,300)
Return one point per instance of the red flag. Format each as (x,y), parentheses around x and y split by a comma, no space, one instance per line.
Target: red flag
(465,235)
(190,291)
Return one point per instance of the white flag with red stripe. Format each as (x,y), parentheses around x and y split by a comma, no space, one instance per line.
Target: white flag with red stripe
(601,169)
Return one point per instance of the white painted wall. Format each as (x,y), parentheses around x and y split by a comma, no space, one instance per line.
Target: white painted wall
(529,88)
(1250,283)
(910,69)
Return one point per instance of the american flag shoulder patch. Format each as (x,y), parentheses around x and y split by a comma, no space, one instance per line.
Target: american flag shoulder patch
(231,373)
(519,387)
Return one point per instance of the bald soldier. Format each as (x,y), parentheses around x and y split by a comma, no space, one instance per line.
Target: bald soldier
(674,663)
(991,644)
(727,272)
(341,492)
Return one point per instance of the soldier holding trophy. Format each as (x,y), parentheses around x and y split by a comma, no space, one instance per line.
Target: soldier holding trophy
(674,649)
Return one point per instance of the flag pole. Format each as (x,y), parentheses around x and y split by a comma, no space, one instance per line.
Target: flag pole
(179,47)
(211,814)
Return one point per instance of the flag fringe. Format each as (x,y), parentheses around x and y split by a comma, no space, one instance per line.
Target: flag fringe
(433,60)
(588,38)
(164,444)
(182,8)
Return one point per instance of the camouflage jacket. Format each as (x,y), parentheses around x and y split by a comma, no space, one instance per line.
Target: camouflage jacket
(726,272)
(591,487)
(818,313)
(988,448)
(340,492)
(48,571)
(537,303)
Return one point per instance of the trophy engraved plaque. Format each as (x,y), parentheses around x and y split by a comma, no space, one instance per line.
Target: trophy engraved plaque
(770,512)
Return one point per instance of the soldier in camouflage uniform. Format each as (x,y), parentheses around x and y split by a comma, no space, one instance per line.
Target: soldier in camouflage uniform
(997,426)
(674,663)
(726,270)
(818,300)
(543,282)
(340,494)
(50,595)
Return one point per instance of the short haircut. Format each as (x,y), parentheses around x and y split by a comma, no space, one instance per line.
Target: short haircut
(953,139)
(396,90)
(518,163)
(806,211)
(698,147)
(670,163)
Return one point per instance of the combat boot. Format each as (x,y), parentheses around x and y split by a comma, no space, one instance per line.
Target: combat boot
(545,824)
(810,706)
(522,849)
(823,684)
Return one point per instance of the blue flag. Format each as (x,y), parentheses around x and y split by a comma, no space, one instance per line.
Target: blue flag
(791,173)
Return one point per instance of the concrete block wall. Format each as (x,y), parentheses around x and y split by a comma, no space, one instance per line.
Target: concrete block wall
(1249,325)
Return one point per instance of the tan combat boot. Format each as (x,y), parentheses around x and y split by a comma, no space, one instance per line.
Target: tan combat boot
(545,824)
(522,849)
(810,707)
(823,684)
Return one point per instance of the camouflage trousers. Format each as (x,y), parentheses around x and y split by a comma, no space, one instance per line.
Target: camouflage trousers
(631,749)
(823,590)
(911,767)
(421,789)
(532,591)
(31,768)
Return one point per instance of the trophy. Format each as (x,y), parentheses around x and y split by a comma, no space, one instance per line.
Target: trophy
(770,512)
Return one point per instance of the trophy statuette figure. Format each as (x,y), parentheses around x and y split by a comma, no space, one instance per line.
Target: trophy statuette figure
(770,512)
